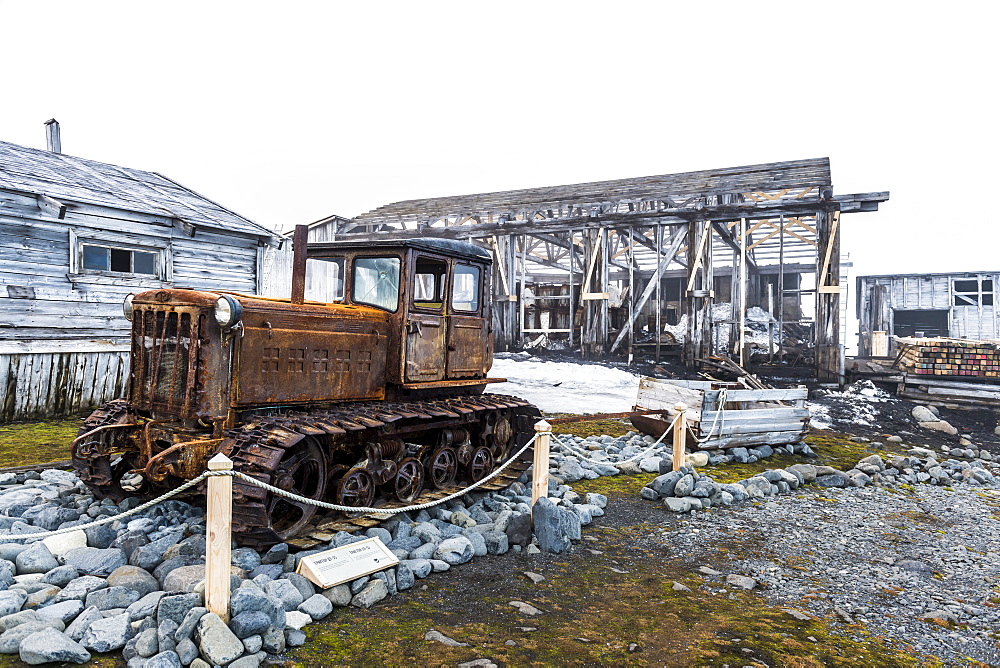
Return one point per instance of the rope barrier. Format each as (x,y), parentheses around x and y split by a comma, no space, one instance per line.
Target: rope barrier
(107,520)
(719,414)
(274,490)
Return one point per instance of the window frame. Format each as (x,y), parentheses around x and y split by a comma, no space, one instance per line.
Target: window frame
(442,286)
(973,298)
(387,256)
(479,288)
(162,260)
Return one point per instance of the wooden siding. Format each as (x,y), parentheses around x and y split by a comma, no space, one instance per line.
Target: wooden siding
(38,385)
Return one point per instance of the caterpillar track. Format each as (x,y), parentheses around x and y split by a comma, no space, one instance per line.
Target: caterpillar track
(368,455)
(96,460)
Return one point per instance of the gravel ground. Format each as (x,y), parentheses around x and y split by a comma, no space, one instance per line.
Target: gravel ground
(920,567)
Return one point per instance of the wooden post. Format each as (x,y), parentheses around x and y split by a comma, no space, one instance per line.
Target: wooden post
(299,257)
(540,478)
(219,537)
(680,436)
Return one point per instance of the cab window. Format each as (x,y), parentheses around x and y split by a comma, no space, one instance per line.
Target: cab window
(325,279)
(428,283)
(465,288)
(375,281)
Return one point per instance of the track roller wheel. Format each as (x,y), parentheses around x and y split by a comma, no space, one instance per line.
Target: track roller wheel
(442,467)
(302,471)
(409,480)
(481,464)
(356,489)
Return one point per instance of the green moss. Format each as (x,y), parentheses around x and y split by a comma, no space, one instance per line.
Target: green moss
(37,442)
(610,427)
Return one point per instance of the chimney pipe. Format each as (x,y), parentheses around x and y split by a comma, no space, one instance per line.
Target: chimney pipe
(53,142)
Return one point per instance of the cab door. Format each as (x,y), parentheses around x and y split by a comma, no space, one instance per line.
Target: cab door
(468,338)
(426,327)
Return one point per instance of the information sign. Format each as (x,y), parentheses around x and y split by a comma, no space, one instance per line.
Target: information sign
(346,563)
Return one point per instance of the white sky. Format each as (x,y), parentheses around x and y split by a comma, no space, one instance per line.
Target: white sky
(287,112)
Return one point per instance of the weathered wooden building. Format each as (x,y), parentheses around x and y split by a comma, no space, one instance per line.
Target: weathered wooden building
(956,305)
(76,237)
(600,263)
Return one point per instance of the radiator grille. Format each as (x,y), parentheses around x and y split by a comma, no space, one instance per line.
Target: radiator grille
(165,351)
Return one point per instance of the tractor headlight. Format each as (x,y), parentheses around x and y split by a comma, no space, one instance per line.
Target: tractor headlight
(228,311)
(127,306)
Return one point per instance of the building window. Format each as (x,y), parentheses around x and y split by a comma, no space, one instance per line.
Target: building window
(973,292)
(119,260)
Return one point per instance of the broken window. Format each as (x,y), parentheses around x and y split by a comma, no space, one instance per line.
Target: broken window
(376,282)
(973,292)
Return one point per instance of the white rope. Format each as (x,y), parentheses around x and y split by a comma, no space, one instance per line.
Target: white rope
(581,455)
(720,417)
(274,490)
(107,520)
(376,511)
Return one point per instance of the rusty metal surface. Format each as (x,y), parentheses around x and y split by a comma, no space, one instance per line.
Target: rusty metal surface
(299,257)
(331,353)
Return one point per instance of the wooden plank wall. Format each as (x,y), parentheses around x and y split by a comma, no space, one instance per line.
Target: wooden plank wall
(38,385)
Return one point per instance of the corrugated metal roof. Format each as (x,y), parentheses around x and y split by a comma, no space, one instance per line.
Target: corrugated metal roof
(70,179)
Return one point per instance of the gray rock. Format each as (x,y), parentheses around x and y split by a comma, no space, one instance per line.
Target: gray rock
(217,643)
(549,528)
(51,646)
(340,595)
(405,578)
(273,642)
(296,619)
(807,471)
(284,591)
(145,606)
(18,618)
(36,559)
(82,622)
(518,530)
(134,578)
(248,559)
(276,554)
(101,536)
(61,576)
(374,592)
(294,638)
(10,640)
(676,505)
(246,599)
(741,581)
(107,634)
(168,659)
(184,578)
(43,595)
(176,606)
(316,606)
(64,611)
(146,644)
(248,624)
(305,587)
(455,550)
(11,601)
(94,561)
(252,644)
(165,635)
(834,480)
(112,597)
(187,651)
(923,414)
(684,486)
(149,556)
